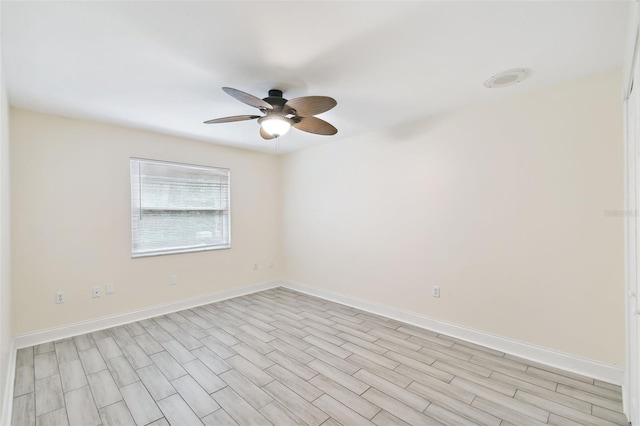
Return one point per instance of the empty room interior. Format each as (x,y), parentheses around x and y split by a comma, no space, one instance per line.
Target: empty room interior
(319,213)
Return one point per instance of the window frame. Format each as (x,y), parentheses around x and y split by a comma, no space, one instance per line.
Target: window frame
(136,210)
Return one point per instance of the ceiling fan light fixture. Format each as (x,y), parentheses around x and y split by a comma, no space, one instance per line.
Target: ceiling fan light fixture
(275,126)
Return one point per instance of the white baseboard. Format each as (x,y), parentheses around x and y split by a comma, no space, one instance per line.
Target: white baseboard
(75,329)
(550,357)
(7,401)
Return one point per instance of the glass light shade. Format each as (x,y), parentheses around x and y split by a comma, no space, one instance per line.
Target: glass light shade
(275,126)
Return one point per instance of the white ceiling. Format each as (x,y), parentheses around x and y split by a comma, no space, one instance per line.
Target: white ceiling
(160,65)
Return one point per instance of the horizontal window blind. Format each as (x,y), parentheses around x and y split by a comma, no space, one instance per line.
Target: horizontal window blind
(178,208)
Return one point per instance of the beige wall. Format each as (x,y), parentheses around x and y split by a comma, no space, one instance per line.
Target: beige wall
(501,205)
(70,205)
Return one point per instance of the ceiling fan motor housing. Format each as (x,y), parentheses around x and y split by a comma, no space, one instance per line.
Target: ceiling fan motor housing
(276,100)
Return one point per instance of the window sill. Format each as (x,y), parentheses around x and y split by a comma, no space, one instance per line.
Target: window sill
(180,250)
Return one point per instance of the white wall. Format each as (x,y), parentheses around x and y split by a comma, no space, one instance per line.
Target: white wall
(5,239)
(501,205)
(71,221)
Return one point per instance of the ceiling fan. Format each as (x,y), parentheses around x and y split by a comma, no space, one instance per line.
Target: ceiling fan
(281,114)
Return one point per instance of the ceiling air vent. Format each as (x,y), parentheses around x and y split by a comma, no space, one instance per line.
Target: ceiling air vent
(507,78)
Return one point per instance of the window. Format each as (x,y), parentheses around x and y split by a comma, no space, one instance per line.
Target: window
(178,208)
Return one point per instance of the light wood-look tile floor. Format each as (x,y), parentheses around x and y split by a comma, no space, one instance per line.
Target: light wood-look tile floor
(285,358)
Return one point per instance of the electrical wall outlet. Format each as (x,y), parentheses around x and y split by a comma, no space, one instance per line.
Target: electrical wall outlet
(174,279)
(109,288)
(60,297)
(255,266)
(435,291)
(96,292)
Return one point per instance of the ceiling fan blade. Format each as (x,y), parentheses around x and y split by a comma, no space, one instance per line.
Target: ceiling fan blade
(315,125)
(310,105)
(232,119)
(247,98)
(265,135)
